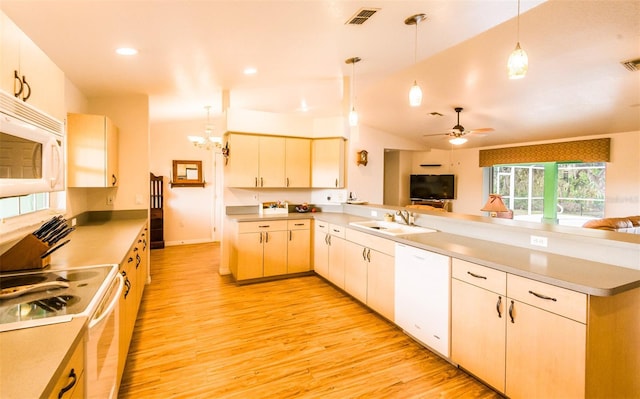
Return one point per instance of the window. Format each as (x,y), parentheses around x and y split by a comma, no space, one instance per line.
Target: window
(580,189)
(22,205)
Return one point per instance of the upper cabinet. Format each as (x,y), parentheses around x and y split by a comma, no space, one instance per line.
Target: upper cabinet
(27,73)
(297,162)
(328,160)
(267,161)
(92,143)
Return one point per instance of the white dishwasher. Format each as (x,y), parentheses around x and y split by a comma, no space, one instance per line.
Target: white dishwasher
(423,286)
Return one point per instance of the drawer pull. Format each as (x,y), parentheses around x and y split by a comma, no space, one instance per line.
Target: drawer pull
(335,230)
(498,306)
(548,298)
(298,224)
(476,275)
(74,379)
(264,226)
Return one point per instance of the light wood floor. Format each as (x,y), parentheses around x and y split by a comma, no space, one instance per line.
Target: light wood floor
(198,335)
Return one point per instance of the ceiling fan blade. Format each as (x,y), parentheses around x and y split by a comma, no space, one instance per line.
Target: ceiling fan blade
(482,130)
(437,134)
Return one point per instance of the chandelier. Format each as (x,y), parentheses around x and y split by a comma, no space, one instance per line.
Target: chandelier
(206,141)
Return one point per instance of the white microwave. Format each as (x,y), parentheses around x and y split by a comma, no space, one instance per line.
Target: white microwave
(31,150)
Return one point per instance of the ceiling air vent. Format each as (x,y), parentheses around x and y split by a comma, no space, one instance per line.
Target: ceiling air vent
(632,65)
(361,16)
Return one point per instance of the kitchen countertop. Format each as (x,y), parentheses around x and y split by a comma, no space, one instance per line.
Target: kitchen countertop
(588,277)
(31,358)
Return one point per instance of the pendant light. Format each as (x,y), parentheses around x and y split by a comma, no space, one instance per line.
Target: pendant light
(206,141)
(518,61)
(415,93)
(353,115)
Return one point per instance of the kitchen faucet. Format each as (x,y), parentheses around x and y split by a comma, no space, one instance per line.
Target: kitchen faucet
(404,214)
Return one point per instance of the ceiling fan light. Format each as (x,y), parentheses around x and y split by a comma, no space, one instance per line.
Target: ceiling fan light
(518,63)
(415,95)
(353,117)
(458,140)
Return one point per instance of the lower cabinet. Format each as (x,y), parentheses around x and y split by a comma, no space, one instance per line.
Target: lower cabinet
(271,248)
(422,286)
(478,321)
(530,339)
(369,272)
(321,248)
(262,249)
(299,246)
(134,270)
(71,383)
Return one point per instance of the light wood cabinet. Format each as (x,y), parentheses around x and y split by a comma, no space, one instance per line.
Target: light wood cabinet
(543,340)
(545,347)
(370,271)
(299,246)
(297,163)
(255,161)
(71,384)
(134,271)
(92,151)
(28,73)
(261,249)
(478,321)
(328,163)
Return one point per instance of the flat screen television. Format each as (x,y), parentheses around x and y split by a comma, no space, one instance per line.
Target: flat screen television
(440,187)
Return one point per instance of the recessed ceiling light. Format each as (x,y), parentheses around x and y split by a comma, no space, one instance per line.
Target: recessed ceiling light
(250,71)
(126,51)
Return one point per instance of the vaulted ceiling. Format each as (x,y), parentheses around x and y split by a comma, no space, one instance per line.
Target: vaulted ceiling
(193,53)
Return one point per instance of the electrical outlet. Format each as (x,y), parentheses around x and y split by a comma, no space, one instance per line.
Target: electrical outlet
(109,199)
(539,241)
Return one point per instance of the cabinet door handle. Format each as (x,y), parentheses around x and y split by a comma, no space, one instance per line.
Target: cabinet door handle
(548,298)
(260,238)
(287,182)
(114,180)
(256,183)
(290,235)
(364,256)
(74,379)
(476,275)
(368,255)
(266,237)
(498,306)
(511,312)
(26,85)
(138,260)
(261,182)
(17,82)
(329,238)
(336,182)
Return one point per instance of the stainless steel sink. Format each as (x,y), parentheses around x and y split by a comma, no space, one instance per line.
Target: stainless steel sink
(391,228)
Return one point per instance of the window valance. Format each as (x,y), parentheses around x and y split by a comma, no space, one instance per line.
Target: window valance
(596,150)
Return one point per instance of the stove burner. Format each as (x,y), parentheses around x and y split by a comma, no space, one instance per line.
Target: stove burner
(55,303)
(17,281)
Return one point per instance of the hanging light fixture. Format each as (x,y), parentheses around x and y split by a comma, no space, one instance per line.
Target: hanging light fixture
(353,115)
(415,93)
(207,141)
(518,61)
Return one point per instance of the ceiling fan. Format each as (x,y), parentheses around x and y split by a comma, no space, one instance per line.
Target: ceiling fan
(457,133)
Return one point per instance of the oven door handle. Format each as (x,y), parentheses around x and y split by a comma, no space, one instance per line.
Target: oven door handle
(113,303)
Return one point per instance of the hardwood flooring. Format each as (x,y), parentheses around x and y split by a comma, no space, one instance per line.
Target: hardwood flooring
(198,335)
